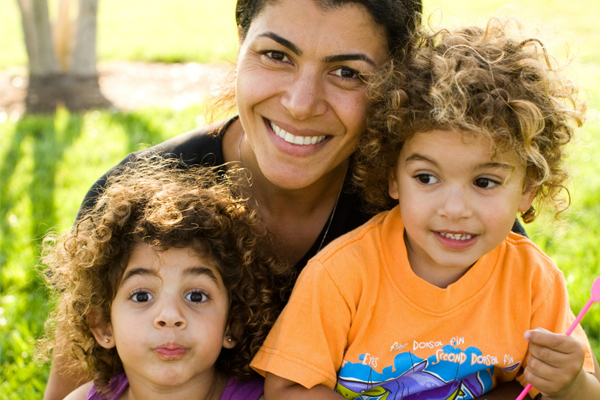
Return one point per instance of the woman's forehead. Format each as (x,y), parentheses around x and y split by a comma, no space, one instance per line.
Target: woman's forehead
(308,24)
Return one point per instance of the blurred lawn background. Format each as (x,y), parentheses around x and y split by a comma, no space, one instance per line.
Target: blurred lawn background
(47,163)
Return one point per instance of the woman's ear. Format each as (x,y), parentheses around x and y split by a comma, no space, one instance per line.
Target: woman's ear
(102,330)
(229,341)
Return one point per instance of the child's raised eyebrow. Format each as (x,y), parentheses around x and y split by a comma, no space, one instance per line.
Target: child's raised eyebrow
(496,165)
(418,157)
(201,271)
(138,271)
(188,271)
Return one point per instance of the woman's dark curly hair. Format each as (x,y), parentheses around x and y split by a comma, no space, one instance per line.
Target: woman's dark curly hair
(479,81)
(161,203)
(399,18)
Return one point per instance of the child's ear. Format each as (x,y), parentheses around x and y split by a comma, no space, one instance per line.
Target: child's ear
(101,330)
(229,341)
(393,189)
(527,198)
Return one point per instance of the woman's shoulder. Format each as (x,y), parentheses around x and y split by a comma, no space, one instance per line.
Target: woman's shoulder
(201,145)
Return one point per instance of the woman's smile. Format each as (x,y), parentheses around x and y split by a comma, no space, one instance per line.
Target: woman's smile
(301,140)
(299,88)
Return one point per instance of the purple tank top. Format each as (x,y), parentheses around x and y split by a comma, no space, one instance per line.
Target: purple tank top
(251,389)
(118,384)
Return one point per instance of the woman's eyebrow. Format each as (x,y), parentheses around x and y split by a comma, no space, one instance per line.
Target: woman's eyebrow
(329,59)
(282,41)
(350,57)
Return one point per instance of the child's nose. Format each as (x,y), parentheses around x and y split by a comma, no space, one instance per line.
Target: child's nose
(170,316)
(455,204)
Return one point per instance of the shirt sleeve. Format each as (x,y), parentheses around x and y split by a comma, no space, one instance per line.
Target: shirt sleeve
(554,314)
(307,343)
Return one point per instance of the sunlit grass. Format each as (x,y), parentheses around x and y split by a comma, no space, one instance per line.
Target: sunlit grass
(48,163)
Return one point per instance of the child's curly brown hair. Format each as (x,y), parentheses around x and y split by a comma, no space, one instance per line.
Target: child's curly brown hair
(479,81)
(161,203)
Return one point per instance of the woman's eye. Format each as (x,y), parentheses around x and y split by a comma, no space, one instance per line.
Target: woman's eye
(346,73)
(486,183)
(426,179)
(277,56)
(141,297)
(196,297)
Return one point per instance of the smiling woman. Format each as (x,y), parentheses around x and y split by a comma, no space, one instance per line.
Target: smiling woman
(302,104)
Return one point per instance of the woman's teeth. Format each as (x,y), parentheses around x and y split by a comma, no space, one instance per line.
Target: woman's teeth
(301,140)
(456,236)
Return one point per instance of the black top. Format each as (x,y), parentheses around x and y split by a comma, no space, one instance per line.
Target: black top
(203,146)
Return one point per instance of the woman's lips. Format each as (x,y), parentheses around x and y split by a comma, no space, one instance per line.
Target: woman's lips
(300,140)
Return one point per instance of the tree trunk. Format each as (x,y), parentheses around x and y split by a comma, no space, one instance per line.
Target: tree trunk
(38,37)
(84,55)
(76,86)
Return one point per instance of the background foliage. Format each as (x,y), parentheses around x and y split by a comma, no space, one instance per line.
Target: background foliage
(47,163)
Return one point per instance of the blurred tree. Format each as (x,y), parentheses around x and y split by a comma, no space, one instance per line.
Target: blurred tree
(62,56)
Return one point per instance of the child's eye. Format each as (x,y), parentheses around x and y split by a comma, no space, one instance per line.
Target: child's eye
(196,297)
(426,179)
(347,73)
(486,183)
(278,56)
(141,297)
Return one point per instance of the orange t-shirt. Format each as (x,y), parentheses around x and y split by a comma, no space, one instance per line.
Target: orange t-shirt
(360,321)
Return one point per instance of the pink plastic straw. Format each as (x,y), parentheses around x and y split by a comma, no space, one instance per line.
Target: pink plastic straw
(595,296)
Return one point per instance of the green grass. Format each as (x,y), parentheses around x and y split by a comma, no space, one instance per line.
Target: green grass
(48,163)
(46,166)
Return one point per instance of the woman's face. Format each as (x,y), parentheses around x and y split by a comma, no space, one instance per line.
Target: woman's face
(299,94)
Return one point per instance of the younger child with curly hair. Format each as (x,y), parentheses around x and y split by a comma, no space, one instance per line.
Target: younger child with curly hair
(437,299)
(166,288)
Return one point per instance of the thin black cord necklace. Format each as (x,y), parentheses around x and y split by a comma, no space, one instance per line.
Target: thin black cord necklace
(258,205)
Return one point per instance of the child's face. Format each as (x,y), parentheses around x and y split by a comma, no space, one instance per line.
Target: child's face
(168,318)
(458,201)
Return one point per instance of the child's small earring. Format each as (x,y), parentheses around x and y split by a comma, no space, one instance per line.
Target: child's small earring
(107,340)
(529,215)
(229,339)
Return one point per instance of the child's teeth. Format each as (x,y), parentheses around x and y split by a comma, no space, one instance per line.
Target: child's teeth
(298,140)
(456,236)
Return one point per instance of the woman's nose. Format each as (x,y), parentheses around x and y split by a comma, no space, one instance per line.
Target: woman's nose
(170,316)
(304,98)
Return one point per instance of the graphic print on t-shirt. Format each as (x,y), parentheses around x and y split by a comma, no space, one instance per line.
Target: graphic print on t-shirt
(450,373)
